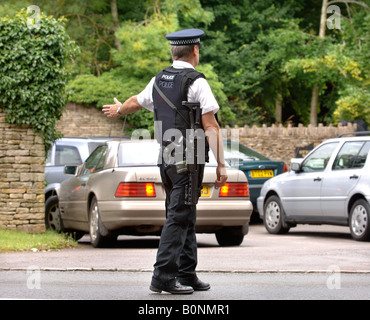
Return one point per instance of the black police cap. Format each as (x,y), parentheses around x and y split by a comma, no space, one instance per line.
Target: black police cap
(185,37)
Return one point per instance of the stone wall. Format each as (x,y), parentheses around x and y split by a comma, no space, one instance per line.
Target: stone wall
(22,159)
(276,142)
(88,121)
(22,156)
(281,143)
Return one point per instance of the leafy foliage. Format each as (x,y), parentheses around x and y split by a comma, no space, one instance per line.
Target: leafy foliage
(353,105)
(144,52)
(32,61)
(261,51)
(265,49)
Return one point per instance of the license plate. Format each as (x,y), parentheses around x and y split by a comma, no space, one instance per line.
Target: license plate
(205,192)
(262,173)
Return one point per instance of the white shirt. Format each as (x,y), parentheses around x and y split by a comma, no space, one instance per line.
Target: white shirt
(199,91)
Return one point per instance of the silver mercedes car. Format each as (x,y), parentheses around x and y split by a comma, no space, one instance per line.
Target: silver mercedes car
(118,190)
(330,186)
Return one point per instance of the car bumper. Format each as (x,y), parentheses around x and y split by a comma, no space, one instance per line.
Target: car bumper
(120,214)
(260,201)
(255,191)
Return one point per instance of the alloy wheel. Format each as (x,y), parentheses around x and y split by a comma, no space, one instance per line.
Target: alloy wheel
(94,222)
(359,220)
(272,214)
(52,214)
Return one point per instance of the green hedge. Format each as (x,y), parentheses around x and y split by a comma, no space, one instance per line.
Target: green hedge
(33,71)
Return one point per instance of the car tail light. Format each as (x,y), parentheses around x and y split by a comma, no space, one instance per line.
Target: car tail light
(135,190)
(285,169)
(234,190)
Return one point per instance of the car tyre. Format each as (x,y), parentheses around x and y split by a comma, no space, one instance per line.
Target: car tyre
(99,235)
(52,214)
(53,219)
(230,236)
(359,223)
(274,216)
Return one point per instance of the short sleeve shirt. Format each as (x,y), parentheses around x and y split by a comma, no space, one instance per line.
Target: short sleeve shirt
(199,91)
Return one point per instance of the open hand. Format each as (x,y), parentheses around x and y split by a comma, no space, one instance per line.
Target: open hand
(110,110)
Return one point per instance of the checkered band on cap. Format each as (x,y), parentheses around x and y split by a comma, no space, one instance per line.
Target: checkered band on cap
(185,37)
(184,42)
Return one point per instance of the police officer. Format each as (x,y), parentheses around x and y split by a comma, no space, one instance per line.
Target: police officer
(174,270)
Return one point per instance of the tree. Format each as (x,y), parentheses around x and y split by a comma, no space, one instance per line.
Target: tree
(272,60)
(144,52)
(248,43)
(327,61)
(114,10)
(323,25)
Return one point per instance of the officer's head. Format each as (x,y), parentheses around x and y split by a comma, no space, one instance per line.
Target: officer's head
(185,53)
(185,45)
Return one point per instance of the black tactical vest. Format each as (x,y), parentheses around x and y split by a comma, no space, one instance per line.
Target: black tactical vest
(174,84)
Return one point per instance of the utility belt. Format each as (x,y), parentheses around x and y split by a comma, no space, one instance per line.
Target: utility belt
(174,154)
(179,164)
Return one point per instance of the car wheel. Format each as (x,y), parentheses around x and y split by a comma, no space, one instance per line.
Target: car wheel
(52,214)
(231,236)
(99,235)
(274,215)
(359,220)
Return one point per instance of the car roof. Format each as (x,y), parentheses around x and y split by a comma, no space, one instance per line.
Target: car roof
(356,134)
(84,139)
(343,138)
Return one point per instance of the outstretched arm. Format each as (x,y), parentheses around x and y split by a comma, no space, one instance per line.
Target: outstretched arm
(131,105)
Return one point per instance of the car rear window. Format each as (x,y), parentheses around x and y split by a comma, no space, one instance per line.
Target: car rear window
(67,155)
(138,154)
(235,150)
(145,154)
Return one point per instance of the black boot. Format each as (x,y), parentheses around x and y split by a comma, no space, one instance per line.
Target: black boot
(195,283)
(173,287)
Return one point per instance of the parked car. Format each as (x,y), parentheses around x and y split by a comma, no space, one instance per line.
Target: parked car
(71,151)
(256,167)
(118,190)
(330,186)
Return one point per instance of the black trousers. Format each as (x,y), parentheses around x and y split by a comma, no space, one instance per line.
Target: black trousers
(177,251)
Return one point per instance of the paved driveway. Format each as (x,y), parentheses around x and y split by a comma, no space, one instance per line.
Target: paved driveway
(303,249)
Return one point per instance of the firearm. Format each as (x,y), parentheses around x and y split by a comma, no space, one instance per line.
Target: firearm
(192,190)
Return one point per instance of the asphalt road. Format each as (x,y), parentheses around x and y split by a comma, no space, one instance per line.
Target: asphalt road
(110,285)
(310,262)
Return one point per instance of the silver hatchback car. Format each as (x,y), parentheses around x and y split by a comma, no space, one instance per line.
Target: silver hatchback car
(330,186)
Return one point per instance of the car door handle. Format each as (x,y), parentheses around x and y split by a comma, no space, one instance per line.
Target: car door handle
(355,176)
(317,179)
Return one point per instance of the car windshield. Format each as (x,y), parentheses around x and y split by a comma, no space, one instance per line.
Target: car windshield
(237,151)
(144,153)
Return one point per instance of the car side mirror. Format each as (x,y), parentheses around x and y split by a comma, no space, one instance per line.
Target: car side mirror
(71,170)
(296,167)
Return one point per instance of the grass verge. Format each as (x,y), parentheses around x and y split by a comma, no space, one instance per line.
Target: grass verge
(20,241)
